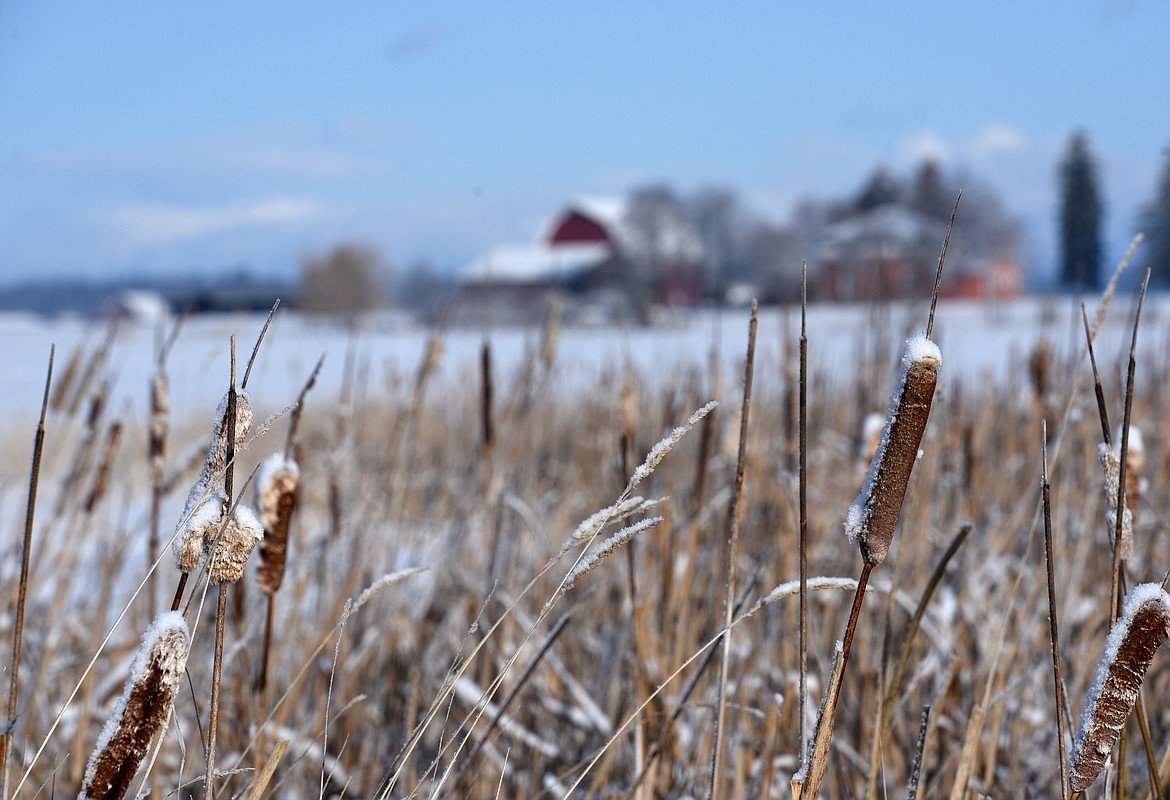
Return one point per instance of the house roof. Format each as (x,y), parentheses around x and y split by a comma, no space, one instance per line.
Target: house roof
(534,263)
(675,237)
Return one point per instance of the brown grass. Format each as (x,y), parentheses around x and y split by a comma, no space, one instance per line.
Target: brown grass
(377,497)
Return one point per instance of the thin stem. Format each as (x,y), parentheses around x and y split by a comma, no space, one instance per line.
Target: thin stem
(809,786)
(1097,390)
(938,274)
(1053,632)
(221,610)
(919,746)
(802,483)
(22,591)
(1115,600)
(256,347)
(730,551)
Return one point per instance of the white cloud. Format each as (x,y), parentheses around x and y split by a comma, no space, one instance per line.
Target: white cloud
(997,138)
(142,225)
(923,146)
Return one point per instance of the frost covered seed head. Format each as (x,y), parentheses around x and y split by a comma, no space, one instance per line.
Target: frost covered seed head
(873,516)
(241,534)
(276,497)
(141,712)
(1139,631)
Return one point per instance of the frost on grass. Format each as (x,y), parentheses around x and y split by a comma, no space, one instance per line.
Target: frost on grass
(156,675)
(597,522)
(602,551)
(791,588)
(659,451)
(1142,627)
(873,515)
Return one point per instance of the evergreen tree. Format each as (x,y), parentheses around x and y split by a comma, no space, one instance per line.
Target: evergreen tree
(1080,217)
(1156,227)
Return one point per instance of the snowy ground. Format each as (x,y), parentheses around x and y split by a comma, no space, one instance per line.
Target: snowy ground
(979,342)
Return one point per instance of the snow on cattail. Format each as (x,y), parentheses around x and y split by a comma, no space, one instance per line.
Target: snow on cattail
(873,516)
(203,511)
(156,675)
(1110,457)
(1143,626)
(234,544)
(276,497)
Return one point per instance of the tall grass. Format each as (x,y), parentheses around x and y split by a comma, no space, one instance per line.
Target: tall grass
(504,670)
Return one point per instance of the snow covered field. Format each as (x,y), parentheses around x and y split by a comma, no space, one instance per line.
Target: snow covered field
(979,342)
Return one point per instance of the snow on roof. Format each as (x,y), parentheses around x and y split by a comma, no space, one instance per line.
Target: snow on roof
(534,263)
(676,238)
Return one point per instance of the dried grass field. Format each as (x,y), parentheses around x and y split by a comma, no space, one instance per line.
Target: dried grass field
(451,616)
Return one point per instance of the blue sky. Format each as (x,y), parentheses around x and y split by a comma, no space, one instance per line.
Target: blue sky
(169,138)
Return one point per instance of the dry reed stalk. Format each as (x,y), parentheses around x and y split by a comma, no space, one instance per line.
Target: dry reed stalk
(919,746)
(731,553)
(102,473)
(22,583)
(1143,626)
(1119,519)
(873,516)
(1054,635)
(802,531)
(142,710)
(97,361)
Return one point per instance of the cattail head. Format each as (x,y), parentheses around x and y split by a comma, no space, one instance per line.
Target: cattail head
(873,515)
(234,544)
(160,406)
(197,528)
(1142,627)
(156,675)
(276,497)
(217,450)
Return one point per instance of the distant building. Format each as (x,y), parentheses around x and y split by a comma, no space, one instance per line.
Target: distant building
(891,253)
(595,250)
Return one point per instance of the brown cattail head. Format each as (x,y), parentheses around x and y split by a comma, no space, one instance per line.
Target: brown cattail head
(160,407)
(1142,627)
(234,544)
(276,498)
(197,529)
(141,712)
(203,511)
(873,515)
(217,451)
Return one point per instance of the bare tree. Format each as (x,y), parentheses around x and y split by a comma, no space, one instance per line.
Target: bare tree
(348,279)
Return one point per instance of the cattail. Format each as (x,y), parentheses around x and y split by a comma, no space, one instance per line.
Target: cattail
(234,545)
(276,497)
(550,332)
(1142,627)
(1135,460)
(1110,457)
(160,407)
(156,675)
(203,511)
(873,516)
